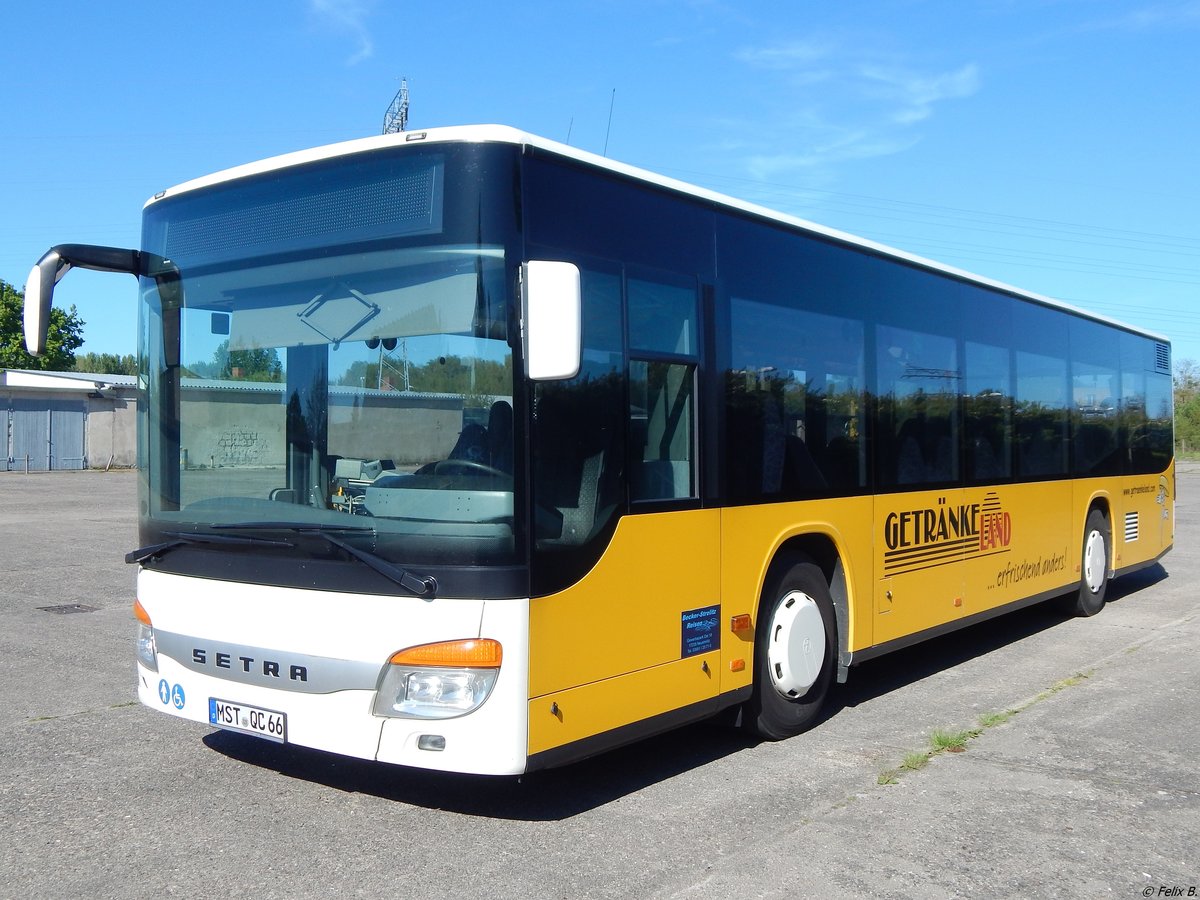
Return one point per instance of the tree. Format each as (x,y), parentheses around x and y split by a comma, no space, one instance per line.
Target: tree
(64,335)
(106,363)
(255,364)
(1187,405)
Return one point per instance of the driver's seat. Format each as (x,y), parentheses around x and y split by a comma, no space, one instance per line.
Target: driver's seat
(500,436)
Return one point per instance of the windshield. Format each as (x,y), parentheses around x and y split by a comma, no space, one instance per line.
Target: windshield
(332,359)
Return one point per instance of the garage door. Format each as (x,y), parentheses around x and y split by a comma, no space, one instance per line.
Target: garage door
(46,434)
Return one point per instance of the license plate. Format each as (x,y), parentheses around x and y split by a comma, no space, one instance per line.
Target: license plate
(248,719)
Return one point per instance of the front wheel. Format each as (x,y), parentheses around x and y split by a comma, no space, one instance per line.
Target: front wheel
(1093,569)
(795,645)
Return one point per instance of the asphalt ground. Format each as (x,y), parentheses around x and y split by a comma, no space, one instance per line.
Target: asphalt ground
(1089,789)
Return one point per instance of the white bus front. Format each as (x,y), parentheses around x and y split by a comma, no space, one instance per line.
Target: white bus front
(332,490)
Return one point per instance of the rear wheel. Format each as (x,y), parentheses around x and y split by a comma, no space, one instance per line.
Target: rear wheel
(794,651)
(1093,569)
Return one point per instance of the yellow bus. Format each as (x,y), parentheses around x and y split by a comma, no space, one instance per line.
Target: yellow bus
(466,450)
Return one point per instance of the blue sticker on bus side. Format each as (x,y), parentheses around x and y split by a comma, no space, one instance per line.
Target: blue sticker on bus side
(164,691)
(700,631)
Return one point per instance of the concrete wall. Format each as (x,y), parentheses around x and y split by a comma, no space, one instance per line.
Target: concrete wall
(404,429)
(224,428)
(112,431)
(231,428)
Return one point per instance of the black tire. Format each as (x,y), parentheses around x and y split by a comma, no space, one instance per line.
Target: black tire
(1093,567)
(783,703)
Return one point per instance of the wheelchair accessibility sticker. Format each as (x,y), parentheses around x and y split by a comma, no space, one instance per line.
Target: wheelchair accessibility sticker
(169,693)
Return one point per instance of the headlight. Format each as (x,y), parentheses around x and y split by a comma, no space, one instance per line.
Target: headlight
(147,652)
(439,681)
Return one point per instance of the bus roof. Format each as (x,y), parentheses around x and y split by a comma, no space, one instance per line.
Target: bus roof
(508,135)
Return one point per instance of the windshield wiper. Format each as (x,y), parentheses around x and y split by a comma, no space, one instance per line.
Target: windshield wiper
(421,585)
(183,538)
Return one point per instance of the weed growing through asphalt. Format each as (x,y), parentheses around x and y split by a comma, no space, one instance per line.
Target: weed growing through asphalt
(945,740)
(992,719)
(914,761)
(942,740)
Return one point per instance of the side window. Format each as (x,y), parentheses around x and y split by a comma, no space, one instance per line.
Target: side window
(662,317)
(1145,405)
(918,377)
(1095,399)
(1133,399)
(1041,415)
(794,405)
(1042,394)
(662,429)
(1154,453)
(987,397)
(664,351)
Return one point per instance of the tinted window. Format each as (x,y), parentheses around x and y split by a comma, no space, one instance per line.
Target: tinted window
(663,321)
(1095,399)
(794,367)
(1041,415)
(1041,391)
(794,407)
(1146,399)
(578,443)
(1155,453)
(662,316)
(988,407)
(917,377)
(662,430)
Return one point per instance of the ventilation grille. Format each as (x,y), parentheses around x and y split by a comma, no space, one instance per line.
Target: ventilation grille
(1162,358)
(1131,527)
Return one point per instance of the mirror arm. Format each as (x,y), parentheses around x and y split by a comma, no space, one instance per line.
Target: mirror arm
(60,259)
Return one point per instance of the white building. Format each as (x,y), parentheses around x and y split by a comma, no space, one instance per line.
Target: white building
(67,420)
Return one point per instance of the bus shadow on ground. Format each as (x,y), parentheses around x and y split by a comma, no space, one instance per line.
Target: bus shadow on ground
(892,671)
(562,793)
(550,795)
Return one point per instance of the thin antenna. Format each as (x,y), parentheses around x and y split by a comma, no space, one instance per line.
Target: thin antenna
(608,130)
(396,117)
(569,127)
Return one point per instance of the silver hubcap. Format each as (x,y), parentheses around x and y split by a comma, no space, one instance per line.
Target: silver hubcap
(1095,562)
(796,646)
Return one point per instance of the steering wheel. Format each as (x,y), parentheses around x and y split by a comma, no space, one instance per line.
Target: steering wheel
(448,465)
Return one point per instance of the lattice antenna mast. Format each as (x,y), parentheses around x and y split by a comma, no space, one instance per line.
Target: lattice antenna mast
(396,117)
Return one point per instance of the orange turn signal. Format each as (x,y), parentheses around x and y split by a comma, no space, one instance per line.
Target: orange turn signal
(483,653)
(737,665)
(139,613)
(739,623)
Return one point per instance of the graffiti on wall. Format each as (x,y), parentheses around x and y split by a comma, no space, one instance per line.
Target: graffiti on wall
(239,447)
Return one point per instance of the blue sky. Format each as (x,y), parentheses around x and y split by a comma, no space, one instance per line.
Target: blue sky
(1050,144)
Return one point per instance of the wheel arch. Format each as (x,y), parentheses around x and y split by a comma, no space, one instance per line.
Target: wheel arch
(1101,502)
(823,549)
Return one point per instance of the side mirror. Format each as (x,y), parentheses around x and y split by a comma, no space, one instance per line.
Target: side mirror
(39,295)
(551,303)
(57,261)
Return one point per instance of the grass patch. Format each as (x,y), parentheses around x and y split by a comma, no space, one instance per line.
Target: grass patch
(1076,679)
(914,761)
(992,719)
(943,741)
